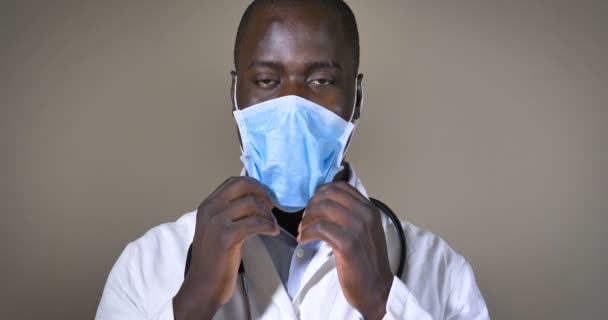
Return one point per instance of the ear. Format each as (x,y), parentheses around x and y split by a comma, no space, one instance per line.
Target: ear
(359,98)
(232,88)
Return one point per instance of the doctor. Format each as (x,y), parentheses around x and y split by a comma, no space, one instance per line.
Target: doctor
(297,226)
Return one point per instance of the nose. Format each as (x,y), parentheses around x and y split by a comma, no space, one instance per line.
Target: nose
(295,87)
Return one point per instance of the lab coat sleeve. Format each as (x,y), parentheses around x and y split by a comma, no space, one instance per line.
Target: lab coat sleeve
(401,304)
(124,294)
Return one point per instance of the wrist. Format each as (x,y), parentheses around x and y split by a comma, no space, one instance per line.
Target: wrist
(194,302)
(377,309)
(375,312)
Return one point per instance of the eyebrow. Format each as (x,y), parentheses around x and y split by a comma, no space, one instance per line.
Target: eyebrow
(330,64)
(275,64)
(265,63)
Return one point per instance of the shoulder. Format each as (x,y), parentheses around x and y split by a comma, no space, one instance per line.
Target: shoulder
(436,277)
(150,269)
(440,277)
(167,237)
(429,257)
(434,270)
(427,246)
(163,247)
(162,243)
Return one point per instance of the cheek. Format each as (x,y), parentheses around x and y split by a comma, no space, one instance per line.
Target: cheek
(242,97)
(246,96)
(341,105)
(242,94)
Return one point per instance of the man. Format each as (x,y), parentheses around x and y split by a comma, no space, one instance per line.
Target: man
(296,228)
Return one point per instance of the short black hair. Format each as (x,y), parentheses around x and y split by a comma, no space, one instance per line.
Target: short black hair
(349,24)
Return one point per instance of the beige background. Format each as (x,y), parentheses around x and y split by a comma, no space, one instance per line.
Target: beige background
(484,121)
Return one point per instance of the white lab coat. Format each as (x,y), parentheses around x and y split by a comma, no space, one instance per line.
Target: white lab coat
(438,282)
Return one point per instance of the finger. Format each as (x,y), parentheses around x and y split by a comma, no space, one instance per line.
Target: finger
(242,229)
(237,187)
(244,207)
(221,186)
(344,186)
(326,209)
(337,237)
(339,194)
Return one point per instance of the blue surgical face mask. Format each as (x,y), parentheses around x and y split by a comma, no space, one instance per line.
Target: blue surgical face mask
(292,146)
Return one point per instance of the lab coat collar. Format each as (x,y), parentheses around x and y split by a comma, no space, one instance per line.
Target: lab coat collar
(324,249)
(262,272)
(324,261)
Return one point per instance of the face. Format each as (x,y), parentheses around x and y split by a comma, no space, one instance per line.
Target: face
(297,51)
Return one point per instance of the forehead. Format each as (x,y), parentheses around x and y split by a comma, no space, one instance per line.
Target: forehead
(294,34)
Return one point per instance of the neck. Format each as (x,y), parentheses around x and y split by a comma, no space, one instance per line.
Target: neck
(343,175)
(291,220)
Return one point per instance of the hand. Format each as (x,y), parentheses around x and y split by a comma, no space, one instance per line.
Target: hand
(239,208)
(341,216)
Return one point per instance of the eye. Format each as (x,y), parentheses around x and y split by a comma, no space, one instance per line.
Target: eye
(266,83)
(321,82)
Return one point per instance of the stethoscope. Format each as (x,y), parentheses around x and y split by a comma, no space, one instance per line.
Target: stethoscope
(379,204)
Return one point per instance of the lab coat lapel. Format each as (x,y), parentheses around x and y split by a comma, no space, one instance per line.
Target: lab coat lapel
(324,262)
(320,269)
(320,266)
(261,272)
(322,273)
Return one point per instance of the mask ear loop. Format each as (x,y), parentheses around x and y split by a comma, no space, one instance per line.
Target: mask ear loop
(236,106)
(352,118)
(352,115)
(235,112)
